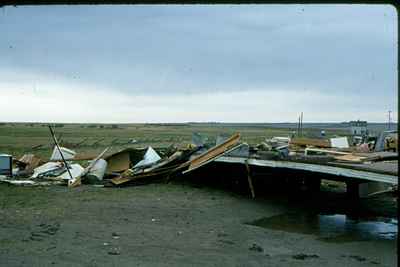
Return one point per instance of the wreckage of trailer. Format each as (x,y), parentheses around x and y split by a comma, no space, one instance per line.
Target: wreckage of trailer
(366,171)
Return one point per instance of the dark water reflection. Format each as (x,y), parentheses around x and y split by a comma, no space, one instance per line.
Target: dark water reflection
(333,227)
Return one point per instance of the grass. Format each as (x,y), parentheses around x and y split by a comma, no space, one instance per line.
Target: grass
(19,138)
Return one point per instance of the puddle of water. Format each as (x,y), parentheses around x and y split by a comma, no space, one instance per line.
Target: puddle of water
(332,228)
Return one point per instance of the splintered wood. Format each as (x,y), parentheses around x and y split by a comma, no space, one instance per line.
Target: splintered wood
(214,152)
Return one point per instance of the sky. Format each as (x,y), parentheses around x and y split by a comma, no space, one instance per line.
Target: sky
(185,63)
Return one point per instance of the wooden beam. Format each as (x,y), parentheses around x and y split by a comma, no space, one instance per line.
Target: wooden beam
(249,180)
(214,151)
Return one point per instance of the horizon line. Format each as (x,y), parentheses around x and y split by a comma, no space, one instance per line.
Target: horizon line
(193,122)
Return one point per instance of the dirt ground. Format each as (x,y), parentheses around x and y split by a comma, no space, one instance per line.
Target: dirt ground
(162,225)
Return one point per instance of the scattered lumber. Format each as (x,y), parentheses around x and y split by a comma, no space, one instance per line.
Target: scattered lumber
(302,141)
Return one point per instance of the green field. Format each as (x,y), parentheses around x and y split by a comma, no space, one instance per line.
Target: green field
(19,138)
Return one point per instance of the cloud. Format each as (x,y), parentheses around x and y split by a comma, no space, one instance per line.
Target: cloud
(198,55)
(56,100)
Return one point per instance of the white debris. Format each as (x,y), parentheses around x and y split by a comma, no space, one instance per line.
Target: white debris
(98,169)
(47,168)
(67,153)
(339,142)
(149,158)
(20,182)
(76,171)
(280,139)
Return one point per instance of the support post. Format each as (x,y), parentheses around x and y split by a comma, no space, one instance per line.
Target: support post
(249,180)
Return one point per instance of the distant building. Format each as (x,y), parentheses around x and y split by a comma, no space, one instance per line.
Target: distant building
(358,127)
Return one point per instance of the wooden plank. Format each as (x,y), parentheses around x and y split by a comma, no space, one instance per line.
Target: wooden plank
(187,164)
(120,180)
(214,151)
(302,141)
(326,151)
(249,180)
(350,157)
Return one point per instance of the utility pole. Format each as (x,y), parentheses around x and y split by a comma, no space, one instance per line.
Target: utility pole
(301,124)
(298,128)
(389,119)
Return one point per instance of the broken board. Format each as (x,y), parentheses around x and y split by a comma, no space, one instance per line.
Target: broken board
(213,153)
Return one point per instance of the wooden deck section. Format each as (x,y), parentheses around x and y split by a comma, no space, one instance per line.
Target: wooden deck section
(384,172)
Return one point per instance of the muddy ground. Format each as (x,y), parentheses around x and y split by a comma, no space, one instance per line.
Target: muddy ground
(171,225)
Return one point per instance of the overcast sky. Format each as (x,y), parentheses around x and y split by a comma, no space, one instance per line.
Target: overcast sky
(175,63)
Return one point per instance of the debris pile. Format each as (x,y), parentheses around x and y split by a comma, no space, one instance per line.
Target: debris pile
(143,165)
(122,167)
